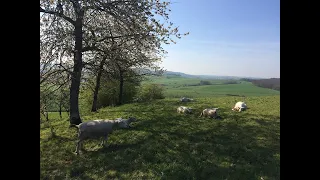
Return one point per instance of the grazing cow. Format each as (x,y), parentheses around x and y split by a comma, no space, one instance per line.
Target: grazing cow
(184,110)
(100,128)
(211,113)
(239,106)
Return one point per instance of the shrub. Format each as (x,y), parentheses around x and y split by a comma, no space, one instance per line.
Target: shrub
(108,95)
(205,82)
(151,92)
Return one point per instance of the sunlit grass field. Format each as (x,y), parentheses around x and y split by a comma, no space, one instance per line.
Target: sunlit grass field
(166,145)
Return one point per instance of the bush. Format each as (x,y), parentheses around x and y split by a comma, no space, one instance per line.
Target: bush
(151,92)
(231,82)
(108,95)
(205,83)
(52,99)
(85,100)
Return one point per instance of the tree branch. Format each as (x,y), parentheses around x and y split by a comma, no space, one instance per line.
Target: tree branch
(59,15)
(116,37)
(89,48)
(44,77)
(65,69)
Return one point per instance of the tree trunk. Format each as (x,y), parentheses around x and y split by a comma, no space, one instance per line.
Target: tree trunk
(47,116)
(96,89)
(76,74)
(95,94)
(60,108)
(121,88)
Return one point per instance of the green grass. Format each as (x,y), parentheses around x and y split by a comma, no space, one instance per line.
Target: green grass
(178,86)
(166,145)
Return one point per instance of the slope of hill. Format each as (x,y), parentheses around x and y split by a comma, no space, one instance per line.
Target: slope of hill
(166,145)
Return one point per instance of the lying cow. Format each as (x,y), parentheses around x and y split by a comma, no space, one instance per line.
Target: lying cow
(100,128)
(239,106)
(184,99)
(184,110)
(211,113)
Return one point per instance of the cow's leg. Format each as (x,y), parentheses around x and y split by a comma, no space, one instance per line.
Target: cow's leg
(104,140)
(79,146)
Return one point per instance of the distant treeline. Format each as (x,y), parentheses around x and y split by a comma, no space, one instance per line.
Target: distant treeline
(169,76)
(272,83)
(204,82)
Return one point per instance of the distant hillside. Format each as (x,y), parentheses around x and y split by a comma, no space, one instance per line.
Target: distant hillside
(172,73)
(184,75)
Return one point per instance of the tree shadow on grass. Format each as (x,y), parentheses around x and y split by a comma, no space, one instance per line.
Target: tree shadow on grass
(174,146)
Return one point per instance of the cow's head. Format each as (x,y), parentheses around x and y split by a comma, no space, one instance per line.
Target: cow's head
(190,110)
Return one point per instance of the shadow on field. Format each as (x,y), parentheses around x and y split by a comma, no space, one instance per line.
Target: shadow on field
(166,145)
(60,139)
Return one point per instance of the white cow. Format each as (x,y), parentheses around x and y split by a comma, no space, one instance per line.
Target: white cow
(184,99)
(184,110)
(211,113)
(240,106)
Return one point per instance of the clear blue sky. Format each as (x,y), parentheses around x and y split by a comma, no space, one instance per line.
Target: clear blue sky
(227,37)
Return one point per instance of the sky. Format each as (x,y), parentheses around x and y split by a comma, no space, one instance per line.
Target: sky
(227,37)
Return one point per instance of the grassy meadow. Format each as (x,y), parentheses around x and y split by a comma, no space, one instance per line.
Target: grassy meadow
(165,145)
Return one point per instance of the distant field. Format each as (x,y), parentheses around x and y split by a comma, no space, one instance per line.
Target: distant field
(179,86)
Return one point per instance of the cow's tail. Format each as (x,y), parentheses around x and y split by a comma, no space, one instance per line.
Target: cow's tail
(73,125)
(201,114)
